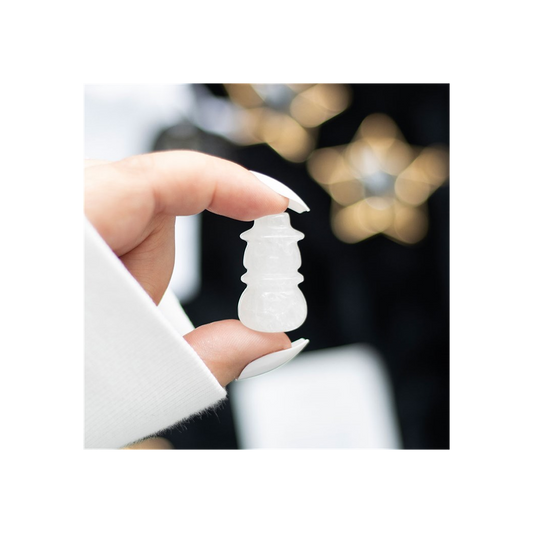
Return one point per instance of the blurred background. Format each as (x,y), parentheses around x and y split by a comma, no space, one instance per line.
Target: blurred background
(372,163)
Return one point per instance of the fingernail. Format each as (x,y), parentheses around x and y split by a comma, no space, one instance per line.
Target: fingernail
(295,202)
(273,360)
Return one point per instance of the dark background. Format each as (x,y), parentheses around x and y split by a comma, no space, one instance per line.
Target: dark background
(389,295)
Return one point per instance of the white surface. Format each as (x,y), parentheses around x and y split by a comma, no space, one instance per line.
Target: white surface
(336,398)
(272,360)
(185,281)
(123,120)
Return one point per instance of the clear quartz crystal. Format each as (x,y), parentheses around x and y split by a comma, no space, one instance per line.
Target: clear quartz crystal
(272,301)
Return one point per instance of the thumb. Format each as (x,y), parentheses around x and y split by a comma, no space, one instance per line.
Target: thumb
(226,347)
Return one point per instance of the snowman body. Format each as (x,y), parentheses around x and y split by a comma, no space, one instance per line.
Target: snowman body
(272,301)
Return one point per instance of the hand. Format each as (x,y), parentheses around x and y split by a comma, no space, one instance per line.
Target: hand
(133,204)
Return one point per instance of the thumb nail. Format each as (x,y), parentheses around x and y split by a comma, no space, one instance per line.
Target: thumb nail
(273,360)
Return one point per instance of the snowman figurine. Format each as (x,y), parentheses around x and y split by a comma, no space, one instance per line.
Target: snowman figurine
(272,300)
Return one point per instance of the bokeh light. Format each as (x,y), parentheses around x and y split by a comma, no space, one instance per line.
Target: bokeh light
(286,116)
(379,183)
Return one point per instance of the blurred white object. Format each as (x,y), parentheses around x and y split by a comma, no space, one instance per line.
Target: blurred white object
(335,398)
(185,280)
(124,120)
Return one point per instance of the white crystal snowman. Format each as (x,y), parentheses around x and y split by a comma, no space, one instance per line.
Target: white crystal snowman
(272,300)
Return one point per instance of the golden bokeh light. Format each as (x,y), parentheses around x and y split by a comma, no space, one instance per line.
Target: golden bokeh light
(286,116)
(328,166)
(346,192)
(378,127)
(379,183)
(363,158)
(398,157)
(410,224)
(346,224)
(319,103)
(376,213)
(411,187)
(244,94)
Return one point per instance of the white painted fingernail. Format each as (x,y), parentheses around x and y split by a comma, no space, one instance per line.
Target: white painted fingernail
(273,360)
(295,202)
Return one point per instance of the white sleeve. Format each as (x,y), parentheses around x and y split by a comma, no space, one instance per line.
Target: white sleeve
(141,376)
(174,313)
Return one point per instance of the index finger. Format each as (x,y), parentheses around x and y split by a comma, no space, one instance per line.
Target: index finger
(186,183)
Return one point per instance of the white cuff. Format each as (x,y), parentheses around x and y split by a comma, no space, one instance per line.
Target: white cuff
(141,376)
